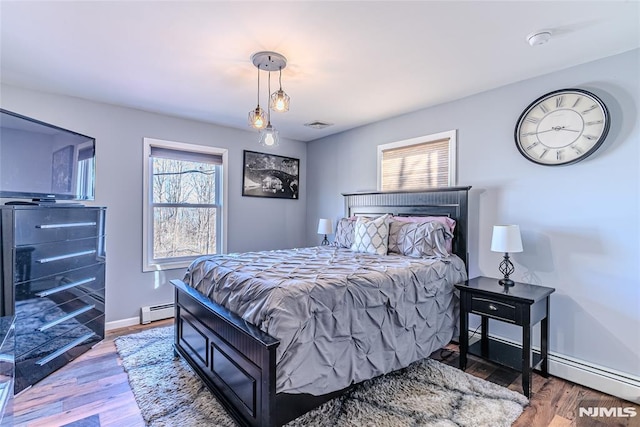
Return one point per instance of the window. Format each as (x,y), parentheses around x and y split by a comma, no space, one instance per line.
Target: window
(418,163)
(185,191)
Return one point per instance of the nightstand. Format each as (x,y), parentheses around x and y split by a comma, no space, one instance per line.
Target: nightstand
(523,305)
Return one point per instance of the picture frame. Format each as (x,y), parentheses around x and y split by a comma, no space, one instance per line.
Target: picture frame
(270,175)
(62,170)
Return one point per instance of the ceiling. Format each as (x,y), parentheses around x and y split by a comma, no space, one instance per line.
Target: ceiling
(349,63)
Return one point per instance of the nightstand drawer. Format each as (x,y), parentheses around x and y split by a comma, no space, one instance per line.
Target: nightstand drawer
(493,308)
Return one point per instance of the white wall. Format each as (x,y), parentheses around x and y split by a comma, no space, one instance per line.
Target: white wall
(254,223)
(580,223)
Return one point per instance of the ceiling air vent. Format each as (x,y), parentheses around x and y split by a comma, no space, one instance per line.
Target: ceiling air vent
(318,125)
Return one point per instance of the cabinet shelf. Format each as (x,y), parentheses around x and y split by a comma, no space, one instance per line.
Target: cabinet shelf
(505,354)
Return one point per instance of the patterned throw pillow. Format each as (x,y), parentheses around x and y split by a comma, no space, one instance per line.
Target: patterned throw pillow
(344,233)
(371,235)
(420,240)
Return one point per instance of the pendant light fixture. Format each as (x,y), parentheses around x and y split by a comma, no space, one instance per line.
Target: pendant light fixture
(269,61)
(257,119)
(269,135)
(279,99)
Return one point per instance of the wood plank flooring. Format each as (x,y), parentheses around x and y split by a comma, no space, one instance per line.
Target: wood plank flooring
(93,391)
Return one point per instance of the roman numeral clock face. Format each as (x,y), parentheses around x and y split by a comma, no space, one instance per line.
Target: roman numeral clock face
(562,127)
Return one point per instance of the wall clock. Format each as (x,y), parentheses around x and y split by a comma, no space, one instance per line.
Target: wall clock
(562,127)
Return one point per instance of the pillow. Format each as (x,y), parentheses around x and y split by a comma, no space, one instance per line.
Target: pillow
(449,223)
(371,235)
(419,240)
(344,232)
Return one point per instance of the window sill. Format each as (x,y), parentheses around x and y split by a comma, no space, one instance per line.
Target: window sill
(165,266)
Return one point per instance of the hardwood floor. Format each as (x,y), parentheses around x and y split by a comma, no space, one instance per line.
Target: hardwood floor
(93,391)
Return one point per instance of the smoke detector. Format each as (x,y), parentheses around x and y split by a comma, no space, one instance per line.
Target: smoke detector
(318,124)
(538,38)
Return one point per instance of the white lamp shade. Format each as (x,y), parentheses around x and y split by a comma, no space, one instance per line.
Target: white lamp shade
(325,226)
(506,238)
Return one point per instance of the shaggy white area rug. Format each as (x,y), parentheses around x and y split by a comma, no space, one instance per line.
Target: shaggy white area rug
(427,393)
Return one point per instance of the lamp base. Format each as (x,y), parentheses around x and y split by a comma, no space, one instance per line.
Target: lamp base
(506,268)
(506,282)
(325,241)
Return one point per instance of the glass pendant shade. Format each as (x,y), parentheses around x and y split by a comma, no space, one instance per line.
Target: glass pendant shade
(279,101)
(269,136)
(257,118)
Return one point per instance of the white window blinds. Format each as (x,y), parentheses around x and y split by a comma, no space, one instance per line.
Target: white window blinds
(187,156)
(416,166)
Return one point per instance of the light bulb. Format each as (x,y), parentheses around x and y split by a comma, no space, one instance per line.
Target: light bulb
(268,140)
(279,101)
(257,118)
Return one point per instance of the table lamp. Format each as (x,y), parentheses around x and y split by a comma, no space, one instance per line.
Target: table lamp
(325,227)
(506,239)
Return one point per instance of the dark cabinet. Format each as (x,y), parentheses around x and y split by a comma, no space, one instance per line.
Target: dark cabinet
(53,281)
(7,372)
(521,304)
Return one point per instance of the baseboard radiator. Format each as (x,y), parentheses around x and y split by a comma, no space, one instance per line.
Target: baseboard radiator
(588,374)
(151,313)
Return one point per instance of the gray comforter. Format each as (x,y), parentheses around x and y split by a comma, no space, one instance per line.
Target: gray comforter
(341,316)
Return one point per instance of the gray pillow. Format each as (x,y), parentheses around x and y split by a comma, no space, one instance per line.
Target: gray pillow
(345,230)
(394,230)
(427,239)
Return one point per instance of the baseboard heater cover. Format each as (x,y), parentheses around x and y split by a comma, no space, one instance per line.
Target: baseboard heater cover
(609,381)
(151,313)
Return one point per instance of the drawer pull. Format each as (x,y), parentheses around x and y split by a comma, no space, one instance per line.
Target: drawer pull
(64,349)
(491,303)
(65,318)
(68,225)
(65,256)
(64,287)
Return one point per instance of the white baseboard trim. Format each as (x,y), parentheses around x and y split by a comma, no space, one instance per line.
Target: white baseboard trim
(620,384)
(123,323)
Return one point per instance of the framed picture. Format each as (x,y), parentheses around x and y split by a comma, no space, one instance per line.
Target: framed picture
(62,170)
(268,175)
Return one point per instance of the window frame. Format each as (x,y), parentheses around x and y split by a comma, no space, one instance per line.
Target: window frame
(148,262)
(451,135)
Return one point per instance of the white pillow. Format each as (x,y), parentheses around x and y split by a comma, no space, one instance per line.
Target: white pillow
(371,235)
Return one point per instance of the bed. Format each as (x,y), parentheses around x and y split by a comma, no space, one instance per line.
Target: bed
(267,381)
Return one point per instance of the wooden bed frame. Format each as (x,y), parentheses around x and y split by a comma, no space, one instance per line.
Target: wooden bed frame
(237,361)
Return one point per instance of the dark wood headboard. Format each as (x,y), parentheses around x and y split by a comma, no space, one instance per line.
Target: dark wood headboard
(451,202)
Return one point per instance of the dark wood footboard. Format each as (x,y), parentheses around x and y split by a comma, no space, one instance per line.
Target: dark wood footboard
(235,359)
